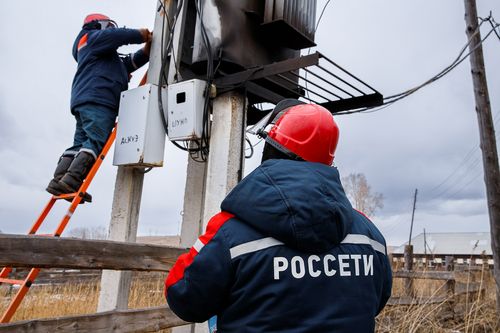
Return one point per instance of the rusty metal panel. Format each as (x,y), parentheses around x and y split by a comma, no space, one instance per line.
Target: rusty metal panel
(279,8)
(291,23)
(268,11)
(235,33)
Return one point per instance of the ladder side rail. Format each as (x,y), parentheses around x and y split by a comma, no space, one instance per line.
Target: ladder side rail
(77,198)
(79,195)
(16,301)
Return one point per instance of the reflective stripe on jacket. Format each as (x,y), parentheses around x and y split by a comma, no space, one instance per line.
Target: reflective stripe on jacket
(286,254)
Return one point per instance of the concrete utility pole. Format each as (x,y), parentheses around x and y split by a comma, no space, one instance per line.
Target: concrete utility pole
(204,195)
(208,183)
(487,136)
(115,285)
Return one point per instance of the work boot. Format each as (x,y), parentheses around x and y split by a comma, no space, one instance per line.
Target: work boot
(62,166)
(77,171)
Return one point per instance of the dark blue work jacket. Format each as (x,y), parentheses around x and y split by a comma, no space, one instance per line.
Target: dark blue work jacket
(287,253)
(102,74)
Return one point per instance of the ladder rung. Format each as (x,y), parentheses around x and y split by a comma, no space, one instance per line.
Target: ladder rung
(11,281)
(65,196)
(44,235)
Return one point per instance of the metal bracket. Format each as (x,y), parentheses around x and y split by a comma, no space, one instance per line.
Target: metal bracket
(313,78)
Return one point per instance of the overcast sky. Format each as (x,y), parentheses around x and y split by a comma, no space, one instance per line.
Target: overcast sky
(427,141)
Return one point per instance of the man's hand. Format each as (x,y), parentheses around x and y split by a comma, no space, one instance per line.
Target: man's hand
(147,36)
(147,46)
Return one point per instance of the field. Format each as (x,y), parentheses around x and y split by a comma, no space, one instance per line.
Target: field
(467,313)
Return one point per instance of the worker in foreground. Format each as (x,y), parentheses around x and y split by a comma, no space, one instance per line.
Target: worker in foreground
(287,253)
(102,74)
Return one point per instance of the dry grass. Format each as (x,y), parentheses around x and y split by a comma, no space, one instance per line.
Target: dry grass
(80,298)
(468,313)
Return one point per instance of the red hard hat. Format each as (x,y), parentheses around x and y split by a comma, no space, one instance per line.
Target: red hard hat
(95,17)
(308,131)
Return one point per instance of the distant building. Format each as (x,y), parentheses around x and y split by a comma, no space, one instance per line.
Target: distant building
(464,247)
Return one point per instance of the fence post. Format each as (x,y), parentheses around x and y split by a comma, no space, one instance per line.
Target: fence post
(408,255)
(450,285)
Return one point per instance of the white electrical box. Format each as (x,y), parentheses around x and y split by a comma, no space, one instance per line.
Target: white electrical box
(140,137)
(185,109)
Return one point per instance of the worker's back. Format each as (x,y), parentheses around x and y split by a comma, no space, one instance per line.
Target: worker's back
(291,255)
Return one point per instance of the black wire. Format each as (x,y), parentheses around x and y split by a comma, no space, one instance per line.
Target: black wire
(493,24)
(243,137)
(163,77)
(251,147)
(204,142)
(321,15)
(144,171)
(388,101)
(164,55)
(309,50)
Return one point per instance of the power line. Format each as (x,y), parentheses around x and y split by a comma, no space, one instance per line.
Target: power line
(465,159)
(458,60)
(474,178)
(463,163)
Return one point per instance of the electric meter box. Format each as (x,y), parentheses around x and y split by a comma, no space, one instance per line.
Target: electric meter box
(185,110)
(140,136)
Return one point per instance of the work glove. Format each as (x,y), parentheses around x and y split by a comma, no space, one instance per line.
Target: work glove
(147,36)
(147,46)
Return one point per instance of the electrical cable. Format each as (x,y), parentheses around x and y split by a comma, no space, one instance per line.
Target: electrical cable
(143,171)
(397,97)
(163,78)
(467,157)
(200,154)
(251,147)
(463,163)
(492,22)
(477,174)
(309,50)
(321,16)
(243,137)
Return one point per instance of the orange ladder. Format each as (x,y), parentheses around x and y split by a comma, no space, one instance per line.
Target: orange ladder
(76,199)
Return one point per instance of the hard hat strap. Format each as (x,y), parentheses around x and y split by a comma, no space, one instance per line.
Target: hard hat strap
(283,149)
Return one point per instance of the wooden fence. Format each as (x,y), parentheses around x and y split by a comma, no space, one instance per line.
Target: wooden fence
(452,288)
(69,253)
(48,252)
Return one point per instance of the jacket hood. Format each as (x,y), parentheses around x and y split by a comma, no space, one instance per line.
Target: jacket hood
(299,203)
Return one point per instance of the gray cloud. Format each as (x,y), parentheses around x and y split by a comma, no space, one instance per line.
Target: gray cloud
(390,44)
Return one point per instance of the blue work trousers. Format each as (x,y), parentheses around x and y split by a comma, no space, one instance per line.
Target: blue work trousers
(94,123)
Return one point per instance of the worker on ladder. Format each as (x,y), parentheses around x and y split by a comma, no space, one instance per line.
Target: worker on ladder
(102,74)
(288,253)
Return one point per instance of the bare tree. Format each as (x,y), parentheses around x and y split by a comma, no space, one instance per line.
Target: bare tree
(88,232)
(359,193)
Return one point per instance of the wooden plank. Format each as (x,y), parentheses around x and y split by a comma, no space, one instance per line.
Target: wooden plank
(424,275)
(45,252)
(405,300)
(471,287)
(138,320)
